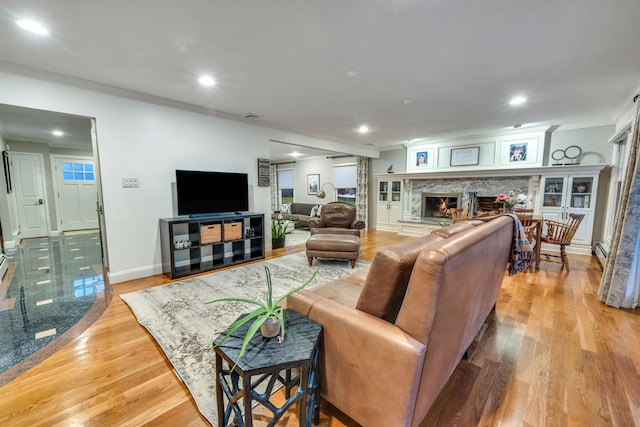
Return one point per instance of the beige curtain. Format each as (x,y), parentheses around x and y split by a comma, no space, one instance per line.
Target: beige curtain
(362,188)
(273,181)
(620,285)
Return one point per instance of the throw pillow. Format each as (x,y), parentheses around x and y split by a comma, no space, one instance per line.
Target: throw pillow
(285,208)
(315,212)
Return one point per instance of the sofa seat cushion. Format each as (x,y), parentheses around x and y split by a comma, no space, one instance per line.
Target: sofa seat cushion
(345,292)
(333,243)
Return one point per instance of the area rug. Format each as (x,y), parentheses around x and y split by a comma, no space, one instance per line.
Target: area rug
(184,326)
(296,237)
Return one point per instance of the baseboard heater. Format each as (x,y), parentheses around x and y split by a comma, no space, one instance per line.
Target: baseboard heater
(601,253)
(3,265)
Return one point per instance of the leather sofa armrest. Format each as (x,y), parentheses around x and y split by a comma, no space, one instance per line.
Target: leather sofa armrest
(362,352)
(316,223)
(357,224)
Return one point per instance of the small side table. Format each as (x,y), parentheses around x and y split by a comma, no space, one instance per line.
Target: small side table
(267,358)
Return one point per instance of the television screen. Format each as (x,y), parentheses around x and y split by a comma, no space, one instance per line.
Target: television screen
(202,192)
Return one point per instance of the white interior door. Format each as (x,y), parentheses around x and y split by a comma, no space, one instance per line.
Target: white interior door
(30,195)
(75,180)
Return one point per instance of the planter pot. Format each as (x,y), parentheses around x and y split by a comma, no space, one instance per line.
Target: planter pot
(277,242)
(271,327)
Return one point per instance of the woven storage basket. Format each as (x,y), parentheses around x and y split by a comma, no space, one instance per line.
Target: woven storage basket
(210,233)
(232,231)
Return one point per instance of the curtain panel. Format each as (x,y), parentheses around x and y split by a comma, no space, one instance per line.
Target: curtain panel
(362,188)
(620,284)
(273,179)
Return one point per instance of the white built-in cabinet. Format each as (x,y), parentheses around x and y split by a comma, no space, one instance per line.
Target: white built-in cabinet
(389,205)
(562,195)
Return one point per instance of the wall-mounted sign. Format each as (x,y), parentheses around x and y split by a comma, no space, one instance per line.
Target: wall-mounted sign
(263,172)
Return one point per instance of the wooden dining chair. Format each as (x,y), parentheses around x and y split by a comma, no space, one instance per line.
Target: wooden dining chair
(561,234)
(525,216)
(460,214)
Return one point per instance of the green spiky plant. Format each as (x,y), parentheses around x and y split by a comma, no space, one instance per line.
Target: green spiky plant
(264,311)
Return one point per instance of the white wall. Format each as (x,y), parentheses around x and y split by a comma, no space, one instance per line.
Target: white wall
(318,165)
(592,140)
(149,141)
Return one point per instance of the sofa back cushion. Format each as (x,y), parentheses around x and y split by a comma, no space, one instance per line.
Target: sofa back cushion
(386,283)
(338,214)
(452,229)
(302,208)
(458,271)
(391,268)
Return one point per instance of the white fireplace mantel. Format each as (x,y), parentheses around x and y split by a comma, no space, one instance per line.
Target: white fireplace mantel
(504,172)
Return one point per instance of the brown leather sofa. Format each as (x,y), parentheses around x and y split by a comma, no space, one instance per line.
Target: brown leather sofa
(394,333)
(337,218)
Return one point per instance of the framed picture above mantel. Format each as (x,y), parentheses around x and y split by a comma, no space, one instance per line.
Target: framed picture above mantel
(420,158)
(467,156)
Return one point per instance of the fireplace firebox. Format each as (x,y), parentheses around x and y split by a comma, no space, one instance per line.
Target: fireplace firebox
(439,205)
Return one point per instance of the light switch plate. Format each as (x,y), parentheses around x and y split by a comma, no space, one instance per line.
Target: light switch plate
(130,183)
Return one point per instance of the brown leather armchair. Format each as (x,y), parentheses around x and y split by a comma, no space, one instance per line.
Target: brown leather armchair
(337,218)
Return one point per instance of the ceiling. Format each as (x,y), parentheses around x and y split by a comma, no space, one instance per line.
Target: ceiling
(409,69)
(29,125)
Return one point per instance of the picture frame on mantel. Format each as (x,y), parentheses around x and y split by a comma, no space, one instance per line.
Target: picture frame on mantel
(313,184)
(466,156)
(420,158)
(519,152)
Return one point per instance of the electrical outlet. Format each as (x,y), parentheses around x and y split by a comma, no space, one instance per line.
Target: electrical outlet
(130,183)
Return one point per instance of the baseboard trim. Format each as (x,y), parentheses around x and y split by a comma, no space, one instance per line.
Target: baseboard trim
(134,273)
(571,249)
(601,252)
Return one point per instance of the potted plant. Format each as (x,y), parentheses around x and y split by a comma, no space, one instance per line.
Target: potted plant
(268,317)
(277,232)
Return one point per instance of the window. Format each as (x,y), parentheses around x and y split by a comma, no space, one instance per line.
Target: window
(346,183)
(285,185)
(618,162)
(77,171)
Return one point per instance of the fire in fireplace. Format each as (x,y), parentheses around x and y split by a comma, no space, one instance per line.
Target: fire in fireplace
(439,205)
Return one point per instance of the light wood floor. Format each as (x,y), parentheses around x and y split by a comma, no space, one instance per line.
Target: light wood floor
(551,354)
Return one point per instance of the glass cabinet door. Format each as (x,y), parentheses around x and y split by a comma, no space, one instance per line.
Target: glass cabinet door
(383,191)
(581,188)
(553,189)
(395,191)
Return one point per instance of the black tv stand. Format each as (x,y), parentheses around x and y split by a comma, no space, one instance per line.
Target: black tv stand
(192,245)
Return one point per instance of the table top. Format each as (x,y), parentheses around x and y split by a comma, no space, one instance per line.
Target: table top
(266,354)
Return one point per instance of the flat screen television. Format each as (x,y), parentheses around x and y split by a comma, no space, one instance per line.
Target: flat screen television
(201,193)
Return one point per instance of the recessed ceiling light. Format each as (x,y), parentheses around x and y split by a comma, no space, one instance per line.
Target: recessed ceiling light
(406,101)
(363,129)
(57,132)
(518,100)
(206,81)
(353,73)
(295,154)
(33,26)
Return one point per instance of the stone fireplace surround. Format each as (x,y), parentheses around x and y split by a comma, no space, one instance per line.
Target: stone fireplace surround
(482,187)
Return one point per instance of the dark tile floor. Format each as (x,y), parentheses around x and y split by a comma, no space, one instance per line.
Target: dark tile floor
(51,285)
